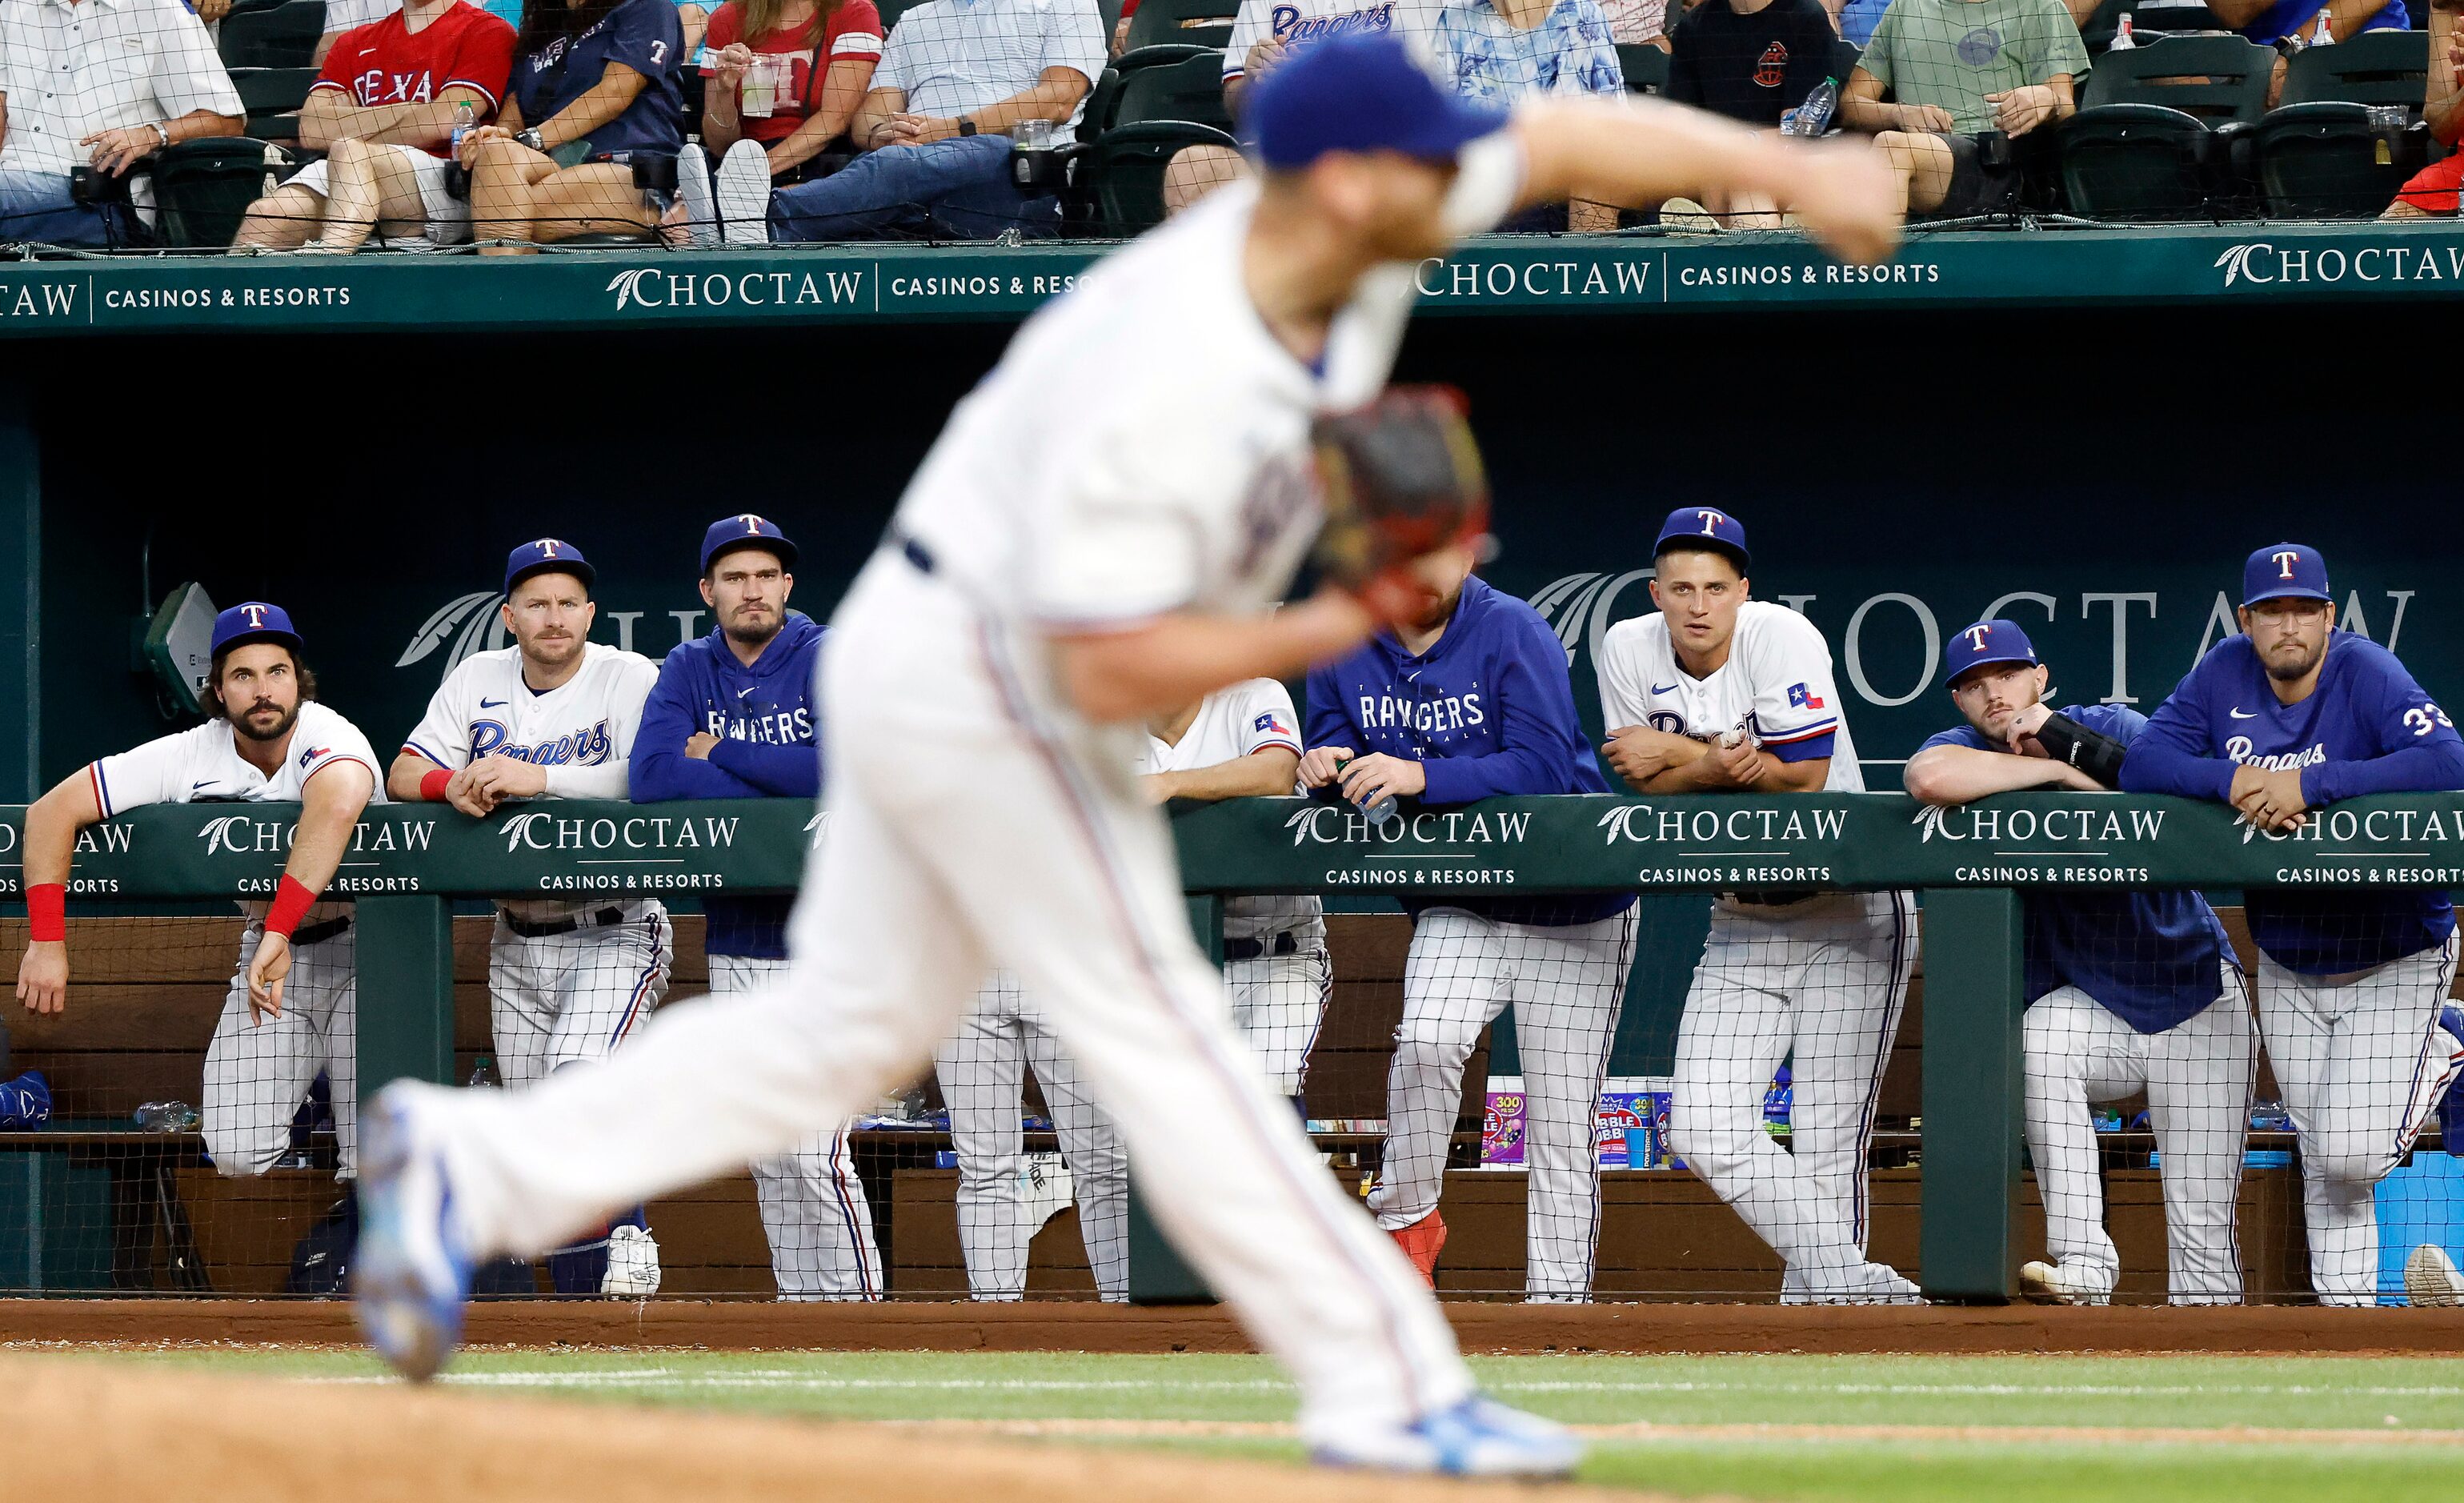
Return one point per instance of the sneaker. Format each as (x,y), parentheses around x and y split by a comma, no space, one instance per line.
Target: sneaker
(2450,1108)
(1476,1437)
(1421,1241)
(698,210)
(2050,1283)
(1855,1284)
(410,1275)
(1685,216)
(744,194)
(2431,1280)
(632,1264)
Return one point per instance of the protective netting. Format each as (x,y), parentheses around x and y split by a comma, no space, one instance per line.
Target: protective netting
(288,125)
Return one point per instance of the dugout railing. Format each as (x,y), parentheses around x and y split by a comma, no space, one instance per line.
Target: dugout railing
(409,865)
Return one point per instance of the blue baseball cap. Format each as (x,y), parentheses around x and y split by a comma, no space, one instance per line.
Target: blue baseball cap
(2284,571)
(547,556)
(745,531)
(253,621)
(1362,91)
(1704,527)
(1994,641)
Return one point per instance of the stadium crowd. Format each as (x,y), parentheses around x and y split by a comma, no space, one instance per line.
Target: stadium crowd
(435,123)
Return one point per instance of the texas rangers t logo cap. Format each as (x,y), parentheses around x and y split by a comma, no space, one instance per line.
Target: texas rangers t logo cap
(547,556)
(1704,527)
(253,621)
(1994,641)
(2284,571)
(745,530)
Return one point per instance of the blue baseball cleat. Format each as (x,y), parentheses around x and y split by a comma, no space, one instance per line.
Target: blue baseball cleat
(1478,1437)
(409,1277)
(2451,1110)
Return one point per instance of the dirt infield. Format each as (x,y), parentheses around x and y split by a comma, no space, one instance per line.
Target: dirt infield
(112,1431)
(1075,1327)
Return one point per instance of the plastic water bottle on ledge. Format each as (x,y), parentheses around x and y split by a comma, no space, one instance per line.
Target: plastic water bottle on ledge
(165,1117)
(1812,117)
(483,1075)
(2123,41)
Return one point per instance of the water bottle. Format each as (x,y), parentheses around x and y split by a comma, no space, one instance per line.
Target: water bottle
(1379,810)
(2326,34)
(165,1117)
(466,119)
(2123,41)
(483,1075)
(1813,117)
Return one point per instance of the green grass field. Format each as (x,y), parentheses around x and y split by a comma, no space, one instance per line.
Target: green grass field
(2131,1429)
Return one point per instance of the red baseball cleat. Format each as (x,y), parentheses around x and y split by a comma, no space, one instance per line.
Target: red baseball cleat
(1421,1241)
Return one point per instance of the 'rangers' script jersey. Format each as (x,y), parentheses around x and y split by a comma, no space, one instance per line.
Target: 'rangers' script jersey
(1232,723)
(203,766)
(582,731)
(1776,685)
(1296,23)
(2366,727)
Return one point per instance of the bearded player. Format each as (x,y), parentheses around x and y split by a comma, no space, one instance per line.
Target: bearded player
(2129,989)
(1719,692)
(2287,718)
(293,1009)
(1046,588)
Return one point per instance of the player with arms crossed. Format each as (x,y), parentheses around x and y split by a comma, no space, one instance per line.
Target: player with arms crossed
(2129,989)
(2289,717)
(1045,590)
(1468,699)
(732,718)
(553,717)
(1720,693)
(293,1008)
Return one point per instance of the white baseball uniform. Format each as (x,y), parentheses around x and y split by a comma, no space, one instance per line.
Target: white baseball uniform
(1275,963)
(568,979)
(1815,978)
(978,818)
(258,1072)
(982,1070)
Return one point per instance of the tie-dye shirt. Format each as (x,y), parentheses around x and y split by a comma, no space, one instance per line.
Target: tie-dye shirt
(1492,61)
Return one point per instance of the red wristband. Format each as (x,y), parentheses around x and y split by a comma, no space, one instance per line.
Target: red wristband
(47,916)
(290,902)
(431,785)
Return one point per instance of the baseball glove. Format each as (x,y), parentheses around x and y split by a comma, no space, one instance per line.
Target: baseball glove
(1400,477)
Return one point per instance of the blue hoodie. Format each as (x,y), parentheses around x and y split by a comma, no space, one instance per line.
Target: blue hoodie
(1488,709)
(769,730)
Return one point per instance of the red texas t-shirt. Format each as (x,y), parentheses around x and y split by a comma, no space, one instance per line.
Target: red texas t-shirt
(852,31)
(387,63)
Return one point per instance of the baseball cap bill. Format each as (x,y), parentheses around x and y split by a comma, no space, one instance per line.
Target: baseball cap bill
(547,556)
(1704,527)
(745,530)
(253,621)
(1996,641)
(1360,92)
(2284,571)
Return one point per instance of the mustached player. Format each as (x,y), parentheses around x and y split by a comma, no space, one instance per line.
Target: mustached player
(1468,699)
(1720,693)
(553,717)
(732,718)
(2285,719)
(2127,990)
(1046,589)
(292,1012)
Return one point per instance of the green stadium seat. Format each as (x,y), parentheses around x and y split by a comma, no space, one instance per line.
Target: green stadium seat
(2388,66)
(2217,79)
(2140,162)
(2149,21)
(1189,89)
(1122,172)
(2324,161)
(1645,68)
(1103,102)
(1204,23)
(202,190)
(271,34)
(268,92)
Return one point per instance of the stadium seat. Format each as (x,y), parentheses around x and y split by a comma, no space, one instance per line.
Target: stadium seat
(1645,68)
(1103,102)
(273,96)
(1189,89)
(1205,23)
(202,190)
(696,92)
(2217,79)
(892,9)
(2324,161)
(2388,66)
(272,33)
(2149,21)
(2140,162)
(1122,172)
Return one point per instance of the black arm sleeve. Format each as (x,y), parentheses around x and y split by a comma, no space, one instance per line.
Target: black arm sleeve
(2098,756)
